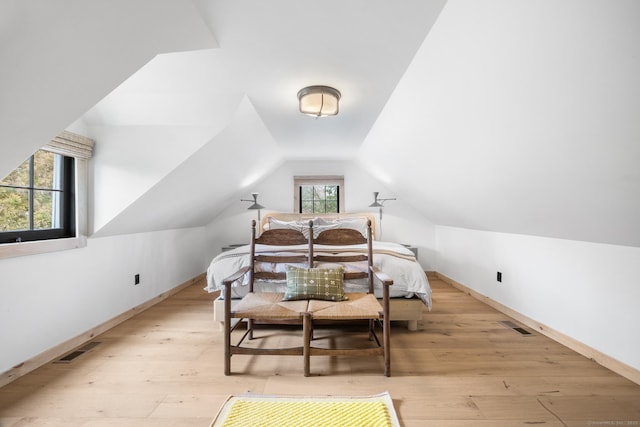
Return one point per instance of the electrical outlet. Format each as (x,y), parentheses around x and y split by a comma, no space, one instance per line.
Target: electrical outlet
(499,277)
(136,279)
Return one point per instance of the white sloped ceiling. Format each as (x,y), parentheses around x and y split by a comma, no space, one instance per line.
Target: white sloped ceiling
(61,57)
(202,186)
(509,116)
(180,103)
(154,121)
(520,117)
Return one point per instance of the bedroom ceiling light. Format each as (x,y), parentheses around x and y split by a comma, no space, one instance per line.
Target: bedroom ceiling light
(319,101)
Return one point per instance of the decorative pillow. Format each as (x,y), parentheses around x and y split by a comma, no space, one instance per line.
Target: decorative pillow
(321,221)
(356,223)
(319,228)
(319,225)
(302,226)
(314,283)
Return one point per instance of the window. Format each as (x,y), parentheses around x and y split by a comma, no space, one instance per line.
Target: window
(318,194)
(319,198)
(37,200)
(43,202)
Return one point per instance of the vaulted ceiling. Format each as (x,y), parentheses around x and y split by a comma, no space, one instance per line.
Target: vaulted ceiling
(507,116)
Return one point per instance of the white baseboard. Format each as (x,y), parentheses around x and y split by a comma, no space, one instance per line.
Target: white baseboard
(608,362)
(77,341)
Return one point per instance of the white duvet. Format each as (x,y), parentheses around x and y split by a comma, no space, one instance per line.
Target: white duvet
(395,260)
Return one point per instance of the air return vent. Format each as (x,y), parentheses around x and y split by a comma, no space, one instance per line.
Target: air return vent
(519,329)
(70,357)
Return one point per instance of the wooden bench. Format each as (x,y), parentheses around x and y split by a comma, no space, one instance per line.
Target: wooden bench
(266,306)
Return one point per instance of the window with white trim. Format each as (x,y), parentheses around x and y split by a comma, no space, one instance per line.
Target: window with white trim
(37,199)
(318,194)
(45,198)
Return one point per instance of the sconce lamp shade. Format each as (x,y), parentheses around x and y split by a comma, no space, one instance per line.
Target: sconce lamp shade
(255,204)
(379,203)
(376,203)
(319,101)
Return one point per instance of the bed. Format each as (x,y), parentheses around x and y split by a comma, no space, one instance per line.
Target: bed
(410,294)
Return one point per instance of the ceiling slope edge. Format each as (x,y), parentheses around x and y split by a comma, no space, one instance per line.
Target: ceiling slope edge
(78,41)
(206,182)
(510,144)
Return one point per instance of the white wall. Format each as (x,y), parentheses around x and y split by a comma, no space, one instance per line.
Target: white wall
(587,291)
(401,223)
(50,298)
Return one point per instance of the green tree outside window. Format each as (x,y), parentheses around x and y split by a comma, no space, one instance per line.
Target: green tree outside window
(29,196)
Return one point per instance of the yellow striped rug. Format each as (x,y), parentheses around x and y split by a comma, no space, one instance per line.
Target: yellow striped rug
(302,411)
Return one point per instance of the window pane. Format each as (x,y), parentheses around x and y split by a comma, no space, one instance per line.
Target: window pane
(14,209)
(307,206)
(19,177)
(315,189)
(331,192)
(46,213)
(319,198)
(42,210)
(307,192)
(318,192)
(46,170)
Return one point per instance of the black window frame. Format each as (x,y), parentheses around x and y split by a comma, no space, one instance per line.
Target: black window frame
(324,180)
(301,200)
(67,206)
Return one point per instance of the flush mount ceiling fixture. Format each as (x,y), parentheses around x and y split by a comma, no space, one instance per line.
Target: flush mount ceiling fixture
(319,101)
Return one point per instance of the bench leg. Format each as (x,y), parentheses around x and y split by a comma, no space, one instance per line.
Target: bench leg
(306,351)
(250,328)
(386,342)
(386,331)
(227,336)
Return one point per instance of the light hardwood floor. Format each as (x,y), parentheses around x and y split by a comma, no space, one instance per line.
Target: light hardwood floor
(461,368)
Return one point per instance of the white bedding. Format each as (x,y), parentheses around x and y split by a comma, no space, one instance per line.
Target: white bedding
(395,260)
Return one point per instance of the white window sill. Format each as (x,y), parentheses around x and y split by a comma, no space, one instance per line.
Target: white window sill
(10,250)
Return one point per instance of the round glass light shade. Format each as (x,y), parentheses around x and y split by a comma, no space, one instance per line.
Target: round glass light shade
(319,101)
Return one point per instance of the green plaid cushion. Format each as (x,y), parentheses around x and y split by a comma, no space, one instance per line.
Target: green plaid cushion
(314,283)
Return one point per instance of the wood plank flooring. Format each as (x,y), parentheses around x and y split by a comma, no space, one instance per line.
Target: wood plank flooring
(164,367)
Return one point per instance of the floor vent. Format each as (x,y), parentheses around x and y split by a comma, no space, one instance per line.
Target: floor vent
(519,329)
(70,357)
